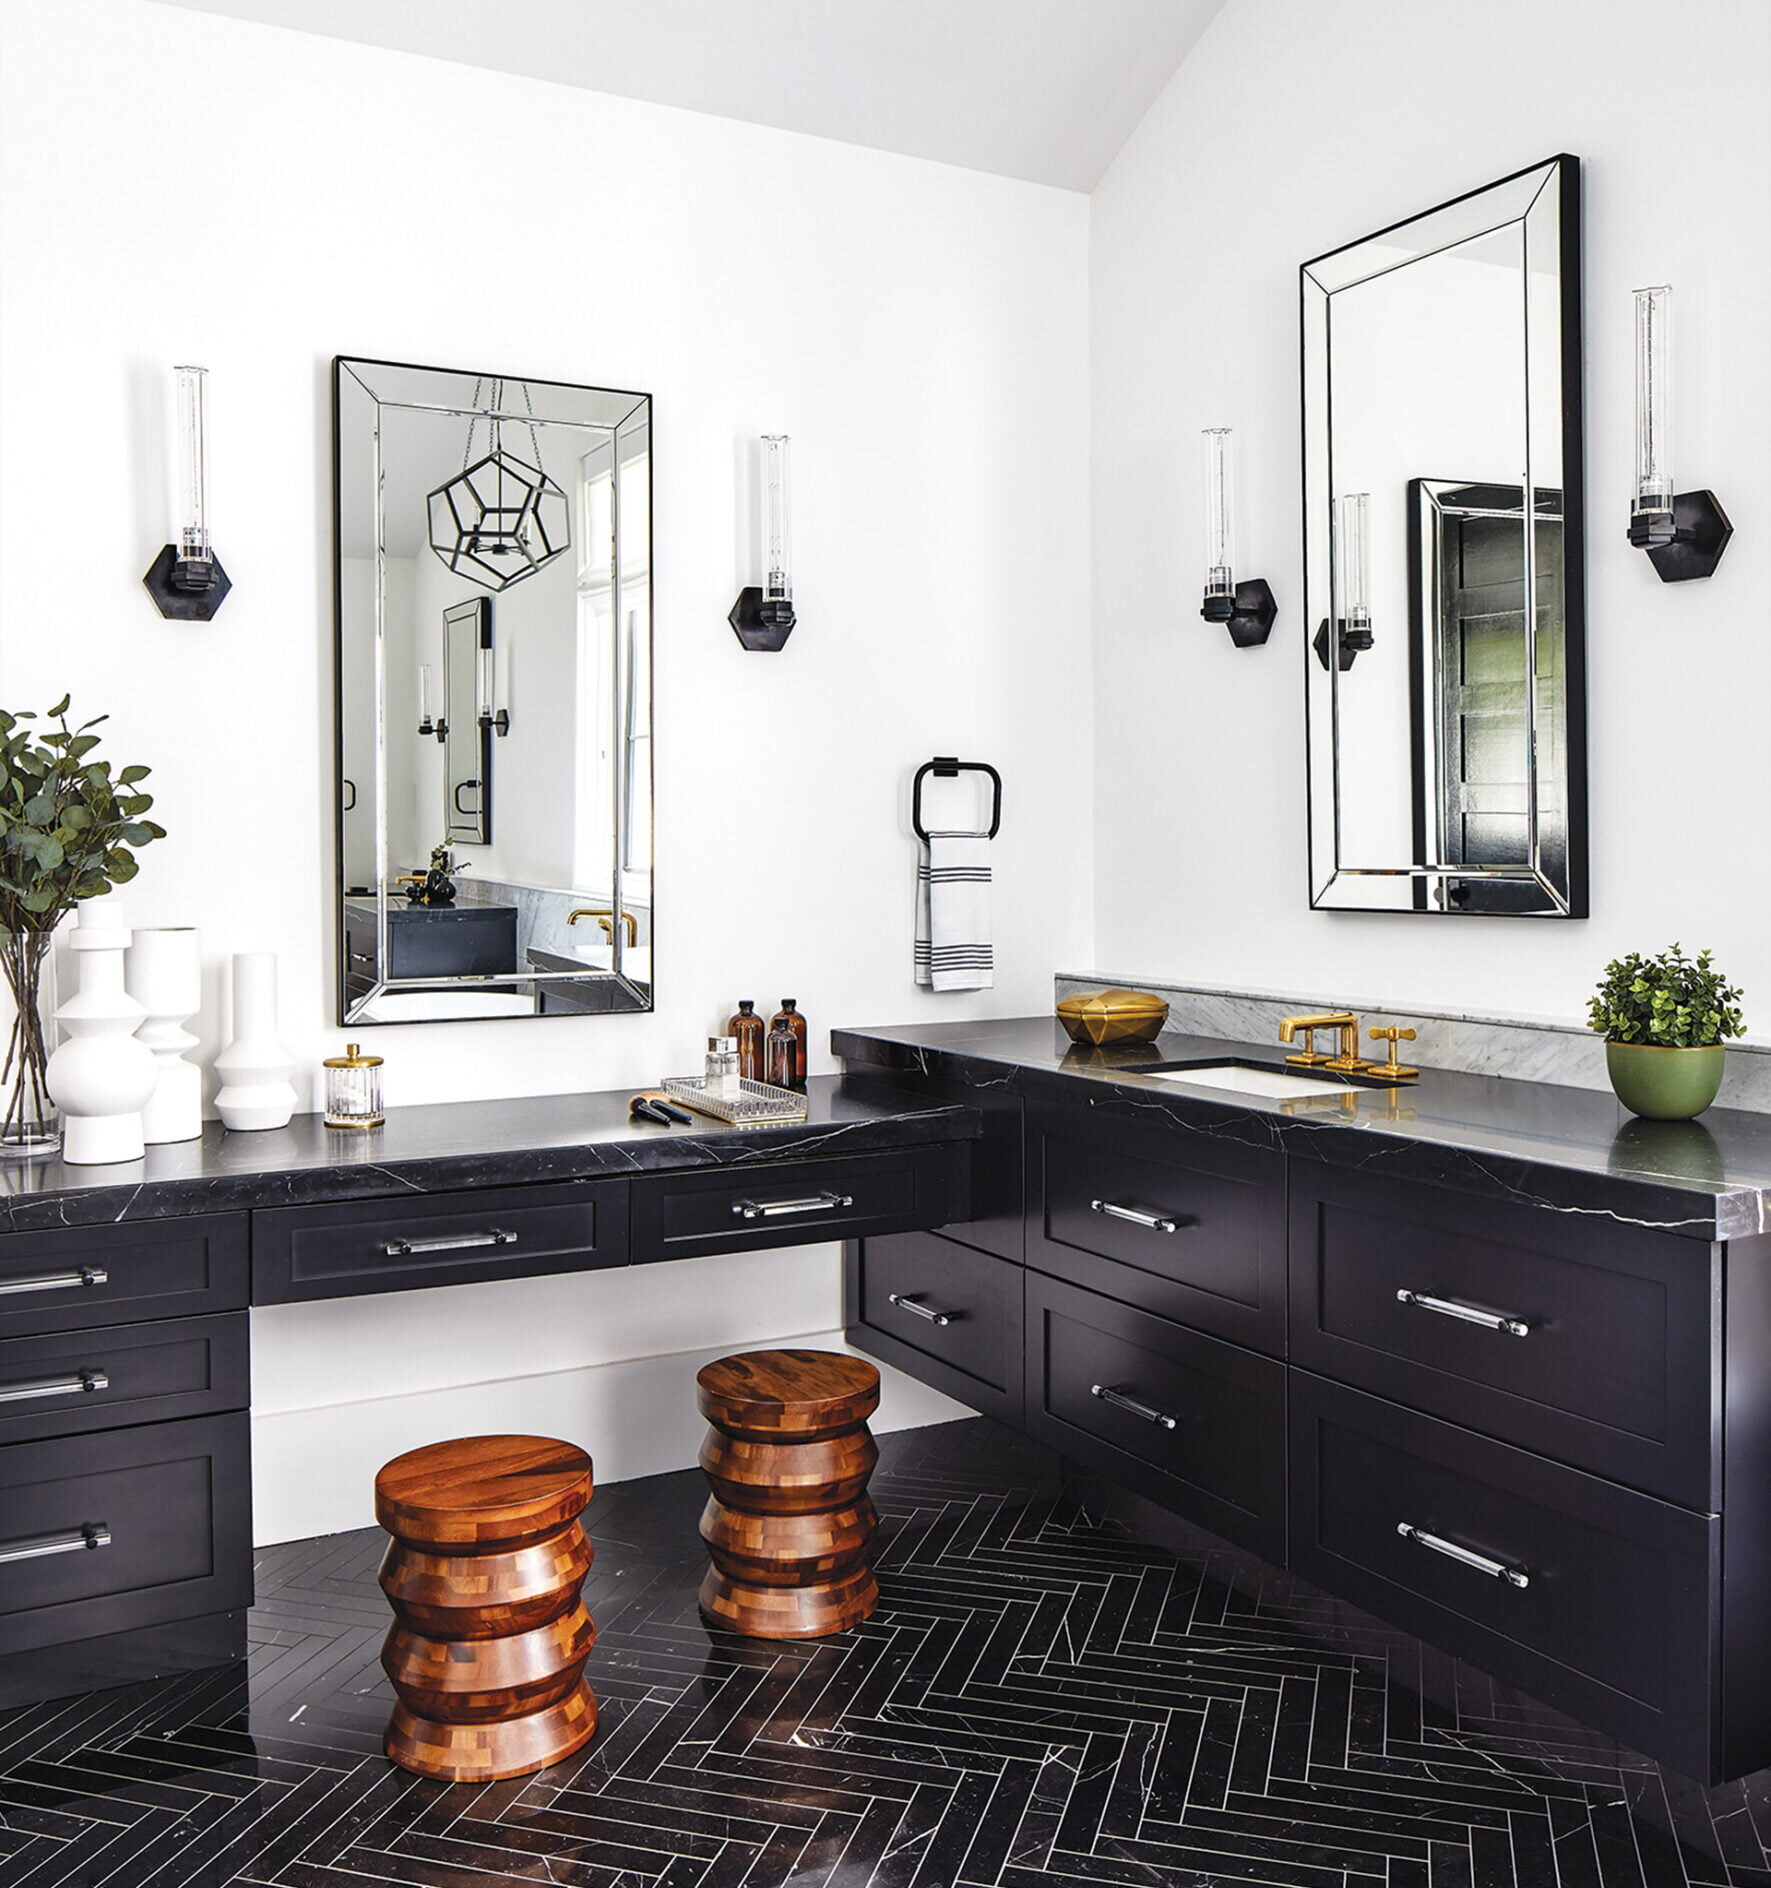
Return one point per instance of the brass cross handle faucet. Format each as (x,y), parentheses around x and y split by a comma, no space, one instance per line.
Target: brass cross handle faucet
(1392,1070)
(1310,1057)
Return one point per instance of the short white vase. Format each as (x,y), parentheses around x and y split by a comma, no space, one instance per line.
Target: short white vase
(101,1076)
(164,973)
(255,1068)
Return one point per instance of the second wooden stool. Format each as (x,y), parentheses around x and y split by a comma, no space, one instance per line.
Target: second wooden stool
(789,1523)
(490,1637)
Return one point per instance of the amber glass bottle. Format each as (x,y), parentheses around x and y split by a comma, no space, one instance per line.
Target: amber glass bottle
(783,1055)
(789,1014)
(752,1032)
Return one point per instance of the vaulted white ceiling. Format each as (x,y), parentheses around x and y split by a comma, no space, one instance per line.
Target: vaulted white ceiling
(1046,90)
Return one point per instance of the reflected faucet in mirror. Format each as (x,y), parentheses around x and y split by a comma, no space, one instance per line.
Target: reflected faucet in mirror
(630,925)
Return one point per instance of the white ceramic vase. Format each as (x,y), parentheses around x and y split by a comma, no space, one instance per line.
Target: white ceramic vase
(164,973)
(255,1068)
(101,1076)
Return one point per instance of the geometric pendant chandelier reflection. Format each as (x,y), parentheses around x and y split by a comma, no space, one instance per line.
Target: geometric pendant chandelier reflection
(500,518)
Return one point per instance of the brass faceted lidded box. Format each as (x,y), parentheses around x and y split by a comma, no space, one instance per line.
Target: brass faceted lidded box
(1103,1016)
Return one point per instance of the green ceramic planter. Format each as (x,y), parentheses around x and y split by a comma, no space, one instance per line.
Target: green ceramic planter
(1664,1084)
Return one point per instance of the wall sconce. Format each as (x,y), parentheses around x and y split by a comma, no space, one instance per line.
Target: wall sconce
(763,616)
(426,725)
(1352,578)
(186,580)
(1684,533)
(497,719)
(1247,609)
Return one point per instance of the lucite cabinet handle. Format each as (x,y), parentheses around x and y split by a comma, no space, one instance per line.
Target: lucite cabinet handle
(1495,1569)
(83,1381)
(1135,1215)
(1130,1404)
(1467,1314)
(56,1281)
(916,1310)
(405,1248)
(37,1547)
(773,1209)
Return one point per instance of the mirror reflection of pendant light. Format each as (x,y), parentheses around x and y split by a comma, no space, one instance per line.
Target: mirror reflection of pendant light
(1247,609)
(501,518)
(1684,533)
(186,580)
(763,617)
(1352,582)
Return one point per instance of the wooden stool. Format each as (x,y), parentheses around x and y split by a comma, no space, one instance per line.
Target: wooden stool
(789,1523)
(488,1646)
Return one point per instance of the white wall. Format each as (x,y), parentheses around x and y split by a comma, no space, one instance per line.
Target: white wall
(1290,130)
(182,187)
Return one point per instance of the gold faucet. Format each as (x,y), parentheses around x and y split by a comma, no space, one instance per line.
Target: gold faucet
(1347,1062)
(1392,1070)
(630,925)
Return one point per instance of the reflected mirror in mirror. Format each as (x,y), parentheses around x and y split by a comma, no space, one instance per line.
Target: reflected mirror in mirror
(494,607)
(1443,562)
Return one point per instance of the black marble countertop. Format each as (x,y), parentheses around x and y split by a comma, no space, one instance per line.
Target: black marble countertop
(1571,1149)
(437,1147)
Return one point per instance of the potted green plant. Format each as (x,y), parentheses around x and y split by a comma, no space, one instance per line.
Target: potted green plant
(67,824)
(1665,1020)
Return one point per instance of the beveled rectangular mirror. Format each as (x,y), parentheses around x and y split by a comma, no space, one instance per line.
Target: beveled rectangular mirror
(493,573)
(1443,558)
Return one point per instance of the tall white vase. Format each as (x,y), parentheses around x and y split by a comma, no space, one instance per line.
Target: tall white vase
(164,973)
(255,1068)
(101,1076)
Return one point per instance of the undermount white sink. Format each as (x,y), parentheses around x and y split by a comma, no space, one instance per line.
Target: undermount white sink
(1269,1084)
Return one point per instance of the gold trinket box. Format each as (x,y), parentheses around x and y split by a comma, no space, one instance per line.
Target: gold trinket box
(1104,1016)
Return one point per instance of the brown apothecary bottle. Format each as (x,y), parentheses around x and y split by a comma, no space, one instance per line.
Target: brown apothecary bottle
(789,1014)
(783,1055)
(752,1034)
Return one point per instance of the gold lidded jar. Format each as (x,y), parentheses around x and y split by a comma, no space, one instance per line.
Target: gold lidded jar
(353,1090)
(1108,1016)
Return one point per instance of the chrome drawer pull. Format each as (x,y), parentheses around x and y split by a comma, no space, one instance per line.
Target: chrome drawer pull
(85,1380)
(88,1534)
(1133,1407)
(917,1310)
(405,1248)
(1135,1215)
(772,1209)
(57,1281)
(1495,1569)
(1470,1314)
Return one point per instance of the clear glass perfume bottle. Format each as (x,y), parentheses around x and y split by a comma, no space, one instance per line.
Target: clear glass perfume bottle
(722,1078)
(353,1090)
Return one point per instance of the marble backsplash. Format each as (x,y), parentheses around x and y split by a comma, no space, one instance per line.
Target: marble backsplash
(543,915)
(1533,1049)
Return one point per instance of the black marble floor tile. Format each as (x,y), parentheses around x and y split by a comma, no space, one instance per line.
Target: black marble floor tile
(1054,1691)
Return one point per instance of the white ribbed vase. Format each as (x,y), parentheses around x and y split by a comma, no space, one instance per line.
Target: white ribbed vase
(164,973)
(255,1068)
(100,1076)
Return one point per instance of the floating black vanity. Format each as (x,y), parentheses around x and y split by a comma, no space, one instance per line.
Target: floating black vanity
(125,1491)
(1488,1359)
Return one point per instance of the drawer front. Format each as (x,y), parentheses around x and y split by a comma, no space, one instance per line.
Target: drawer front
(166,1268)
(1591,1597)
(1594,1343)
(1194,1228)
(167,1508)
(789,1203)
(947,1313)
(303,1252)
(73,1381)
(1195,1423)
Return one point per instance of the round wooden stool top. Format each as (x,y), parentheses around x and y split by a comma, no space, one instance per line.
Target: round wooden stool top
(476,1491)
(788,1394)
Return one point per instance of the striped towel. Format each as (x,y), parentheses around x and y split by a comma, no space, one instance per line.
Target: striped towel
(953,950)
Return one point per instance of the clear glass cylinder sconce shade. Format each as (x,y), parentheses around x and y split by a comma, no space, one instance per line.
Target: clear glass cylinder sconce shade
(1654,370)
(1220,551)
(777,517)
(485,683)
(1355,559)
(193,511)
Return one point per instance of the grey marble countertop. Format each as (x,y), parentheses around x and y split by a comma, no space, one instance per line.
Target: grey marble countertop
(448,1145)
(1570,1149)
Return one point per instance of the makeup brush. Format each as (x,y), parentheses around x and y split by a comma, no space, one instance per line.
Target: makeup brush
(653,1107)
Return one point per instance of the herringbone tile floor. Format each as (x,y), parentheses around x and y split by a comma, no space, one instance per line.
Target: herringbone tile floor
(1044,1699)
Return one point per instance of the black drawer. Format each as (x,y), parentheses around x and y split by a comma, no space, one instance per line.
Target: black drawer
(792,1203)
(1591,1597)
(1584,1340)
(164,1268)
(301,1252)
(69,1382)
(947,1313)
(1196,1424)
(168,1506)
(1198,1224)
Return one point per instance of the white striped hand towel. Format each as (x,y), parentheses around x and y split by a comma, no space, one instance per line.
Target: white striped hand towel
(953,949)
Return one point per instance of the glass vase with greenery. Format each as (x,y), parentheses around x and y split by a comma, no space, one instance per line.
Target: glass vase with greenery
(1665,1020)
(68,824)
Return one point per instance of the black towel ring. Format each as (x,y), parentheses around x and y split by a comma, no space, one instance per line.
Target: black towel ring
(945,768)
